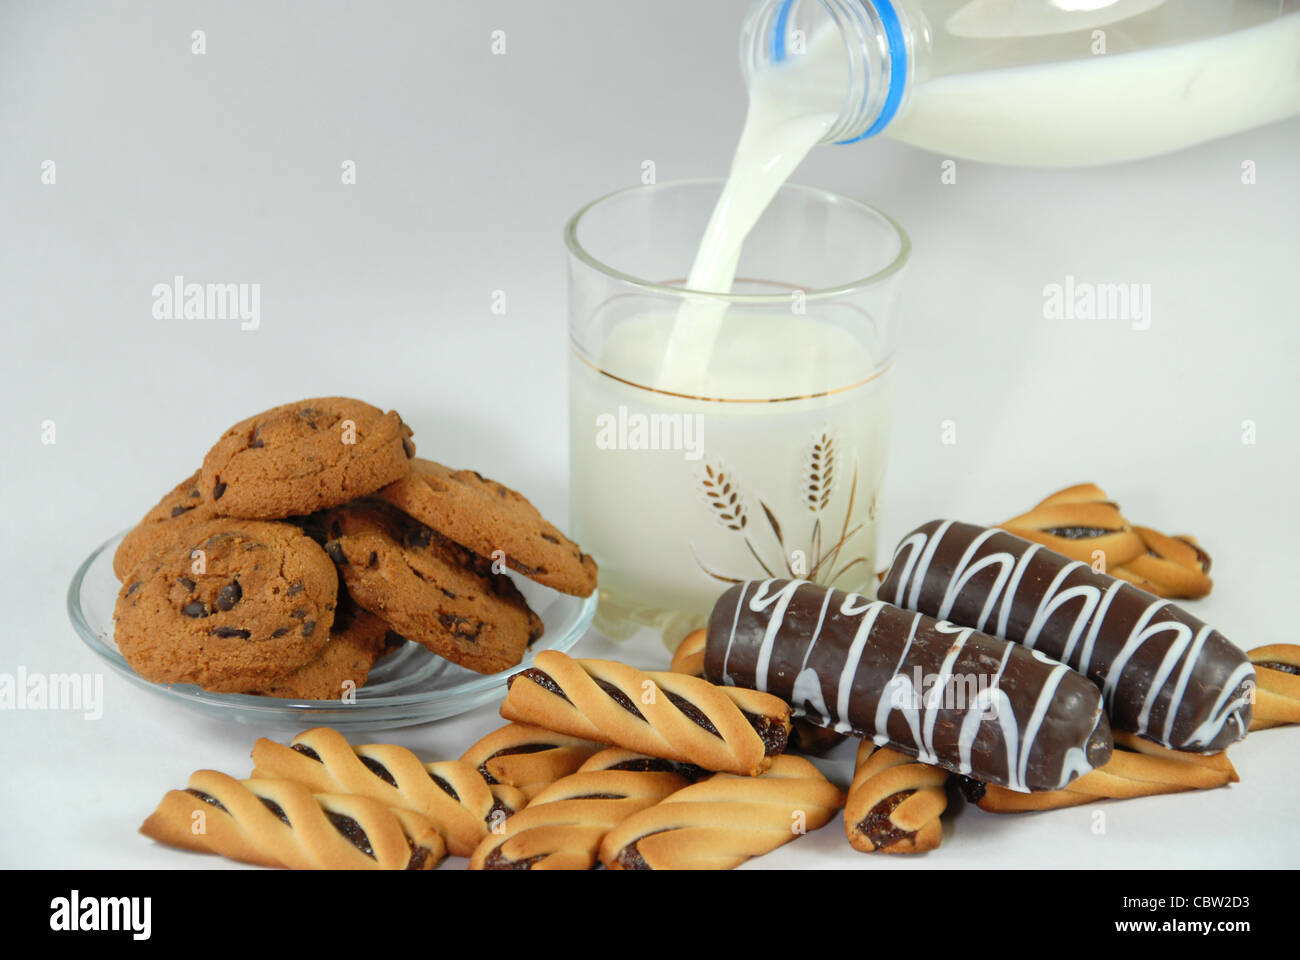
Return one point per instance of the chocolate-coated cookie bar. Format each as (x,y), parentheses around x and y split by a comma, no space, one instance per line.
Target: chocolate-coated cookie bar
(1164,674)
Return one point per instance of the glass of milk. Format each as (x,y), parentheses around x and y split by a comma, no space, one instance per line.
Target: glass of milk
(717,437)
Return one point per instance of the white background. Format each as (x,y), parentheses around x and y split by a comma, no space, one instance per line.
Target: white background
(226,168)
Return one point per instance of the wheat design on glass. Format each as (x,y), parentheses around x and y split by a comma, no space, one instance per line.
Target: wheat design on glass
(763,457)
(824,560)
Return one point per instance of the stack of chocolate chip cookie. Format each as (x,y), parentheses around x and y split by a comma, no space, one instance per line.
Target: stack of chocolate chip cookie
(312,541)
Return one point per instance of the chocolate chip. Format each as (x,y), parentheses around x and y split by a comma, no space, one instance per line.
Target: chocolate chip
(218,489)
(134,587)
(295,588)
(187,583)
(374,559)
(229,595)
(308,628)
(299,614)
(279,632)
(196,609)
(307,752)
(230,632)
(550,539)
(417,536)
(335,550)
(408,447)
(178,510)
(460,627)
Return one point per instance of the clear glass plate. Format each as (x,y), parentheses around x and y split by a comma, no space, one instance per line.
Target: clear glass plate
(407,687)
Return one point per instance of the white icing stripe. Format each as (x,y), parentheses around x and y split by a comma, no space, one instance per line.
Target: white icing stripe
(1189,664)
(940,685)
(1218,717)
(1091,597)
(956,583)
(731,638)
(1005,613)
(870,611)
(807,684)
(1171,658)
(912,545)
(1139,635)
(924,563)
(1036,718)
(781,599)
(984,700)
(1084,665)
(1051,602)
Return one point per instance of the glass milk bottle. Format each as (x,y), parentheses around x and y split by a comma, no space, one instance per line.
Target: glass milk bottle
(1033,82)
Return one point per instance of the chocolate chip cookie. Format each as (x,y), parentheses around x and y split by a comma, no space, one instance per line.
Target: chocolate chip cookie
(183,506)
(429,589)
(232,605)
(305,456)
(357,640)
(487,517)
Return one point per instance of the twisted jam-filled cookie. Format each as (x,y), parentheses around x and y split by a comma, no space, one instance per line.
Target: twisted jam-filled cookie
(562,827)
(1137,768)
(1164,674)
(805,737)
(894,803)
(488,517)
(184,506)
(431,591)
(1081,520)
(721,822)
(666,715)
(356,641)
(305,456)
(1277,698)
(449,793)
(527,757)
(233,606)
(280,823)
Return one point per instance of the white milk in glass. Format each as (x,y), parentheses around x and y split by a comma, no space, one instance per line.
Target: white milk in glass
(783,486)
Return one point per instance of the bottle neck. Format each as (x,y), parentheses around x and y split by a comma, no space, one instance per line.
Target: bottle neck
(875,38)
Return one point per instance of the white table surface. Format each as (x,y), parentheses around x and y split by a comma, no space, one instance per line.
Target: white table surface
(225,168)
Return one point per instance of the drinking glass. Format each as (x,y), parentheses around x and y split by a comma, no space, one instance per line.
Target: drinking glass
(717,438)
